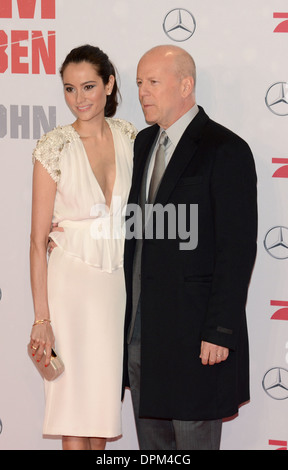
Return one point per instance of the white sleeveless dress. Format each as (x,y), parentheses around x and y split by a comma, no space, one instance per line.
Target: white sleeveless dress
(86,289)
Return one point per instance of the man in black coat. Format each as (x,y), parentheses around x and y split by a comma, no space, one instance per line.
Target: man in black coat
(186,354)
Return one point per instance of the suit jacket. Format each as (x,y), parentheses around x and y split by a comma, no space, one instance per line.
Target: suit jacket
(199,294)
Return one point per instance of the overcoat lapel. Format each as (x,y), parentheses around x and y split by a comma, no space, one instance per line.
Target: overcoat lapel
(140,162)
(181,157)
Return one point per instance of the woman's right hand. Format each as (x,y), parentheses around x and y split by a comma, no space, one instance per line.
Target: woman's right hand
(42,339)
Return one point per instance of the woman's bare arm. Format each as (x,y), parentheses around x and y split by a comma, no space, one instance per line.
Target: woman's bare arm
(43,197)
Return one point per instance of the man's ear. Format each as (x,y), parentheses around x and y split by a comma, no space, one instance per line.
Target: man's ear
(187,86)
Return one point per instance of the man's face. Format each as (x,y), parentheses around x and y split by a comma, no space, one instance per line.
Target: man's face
(160,89)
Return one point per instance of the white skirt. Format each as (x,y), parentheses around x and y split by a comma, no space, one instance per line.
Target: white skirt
(87,308)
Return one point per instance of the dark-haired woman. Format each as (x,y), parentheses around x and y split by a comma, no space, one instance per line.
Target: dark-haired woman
(81,179)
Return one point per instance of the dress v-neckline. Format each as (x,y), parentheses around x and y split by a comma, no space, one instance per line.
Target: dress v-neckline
(91,170)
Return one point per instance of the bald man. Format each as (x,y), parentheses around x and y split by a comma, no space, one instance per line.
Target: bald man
(186,345)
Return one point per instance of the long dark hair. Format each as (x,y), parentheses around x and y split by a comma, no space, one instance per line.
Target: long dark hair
(104,68)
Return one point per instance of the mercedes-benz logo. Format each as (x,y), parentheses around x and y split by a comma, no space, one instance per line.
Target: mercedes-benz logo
(275,383)
(179,24)
(276,242)
(277,98)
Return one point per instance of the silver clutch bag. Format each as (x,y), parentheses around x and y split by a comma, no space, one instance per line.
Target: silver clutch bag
(53,370)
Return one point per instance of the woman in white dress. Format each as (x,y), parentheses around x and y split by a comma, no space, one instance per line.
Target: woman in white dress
(81,180)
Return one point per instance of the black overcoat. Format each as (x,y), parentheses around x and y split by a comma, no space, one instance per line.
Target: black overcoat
(199,294)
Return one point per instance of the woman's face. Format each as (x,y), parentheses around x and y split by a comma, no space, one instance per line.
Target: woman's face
(85,92)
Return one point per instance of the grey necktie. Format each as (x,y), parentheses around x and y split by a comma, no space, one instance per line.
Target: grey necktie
(159,167)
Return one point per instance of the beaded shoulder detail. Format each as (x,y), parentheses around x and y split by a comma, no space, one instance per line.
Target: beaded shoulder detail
(48,149)
(124,126)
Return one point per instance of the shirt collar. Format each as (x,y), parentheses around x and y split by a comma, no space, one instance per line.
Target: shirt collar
(175,131)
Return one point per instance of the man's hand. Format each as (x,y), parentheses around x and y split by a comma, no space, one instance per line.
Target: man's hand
(212,354)
(51,243)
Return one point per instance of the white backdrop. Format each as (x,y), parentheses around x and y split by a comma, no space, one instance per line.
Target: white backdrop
(240,51)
